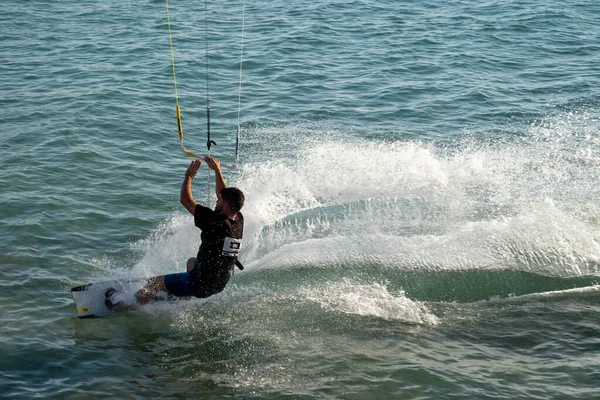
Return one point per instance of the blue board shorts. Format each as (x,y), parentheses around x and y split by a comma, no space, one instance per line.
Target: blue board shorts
(182,285)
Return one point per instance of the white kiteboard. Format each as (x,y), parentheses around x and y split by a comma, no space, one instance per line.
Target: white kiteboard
(90,299)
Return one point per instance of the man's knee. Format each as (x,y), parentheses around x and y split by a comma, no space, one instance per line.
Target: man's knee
(190,264)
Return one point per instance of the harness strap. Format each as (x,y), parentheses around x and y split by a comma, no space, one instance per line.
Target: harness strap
(239,265)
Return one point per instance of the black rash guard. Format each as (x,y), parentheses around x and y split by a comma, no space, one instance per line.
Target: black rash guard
(220,247)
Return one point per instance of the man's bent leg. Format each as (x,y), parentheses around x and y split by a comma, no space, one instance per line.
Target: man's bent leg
(153,285)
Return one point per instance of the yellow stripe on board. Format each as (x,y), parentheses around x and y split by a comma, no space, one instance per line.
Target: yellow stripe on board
(82,310)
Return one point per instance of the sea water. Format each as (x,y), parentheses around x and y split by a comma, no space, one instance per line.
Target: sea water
(422,199)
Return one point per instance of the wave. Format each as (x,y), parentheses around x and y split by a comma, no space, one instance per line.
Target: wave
(413,221)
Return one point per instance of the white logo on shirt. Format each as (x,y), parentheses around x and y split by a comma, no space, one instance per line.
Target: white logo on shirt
(231,247)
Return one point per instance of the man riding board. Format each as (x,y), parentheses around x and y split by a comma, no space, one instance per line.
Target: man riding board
(222,230)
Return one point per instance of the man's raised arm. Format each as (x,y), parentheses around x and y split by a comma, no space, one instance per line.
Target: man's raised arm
(186,198)
(215,165)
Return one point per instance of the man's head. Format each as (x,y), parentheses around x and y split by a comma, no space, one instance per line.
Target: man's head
(232,200)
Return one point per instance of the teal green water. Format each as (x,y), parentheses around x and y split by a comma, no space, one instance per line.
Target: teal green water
(423,207)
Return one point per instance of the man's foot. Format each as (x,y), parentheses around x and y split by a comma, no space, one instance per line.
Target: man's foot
(113,299)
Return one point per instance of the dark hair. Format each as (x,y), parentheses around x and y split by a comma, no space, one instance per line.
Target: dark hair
(234,197)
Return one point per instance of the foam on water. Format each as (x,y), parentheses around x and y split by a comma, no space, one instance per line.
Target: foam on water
(476,202)
(368,300)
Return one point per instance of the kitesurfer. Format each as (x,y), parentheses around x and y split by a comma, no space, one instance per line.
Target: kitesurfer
(222,229)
